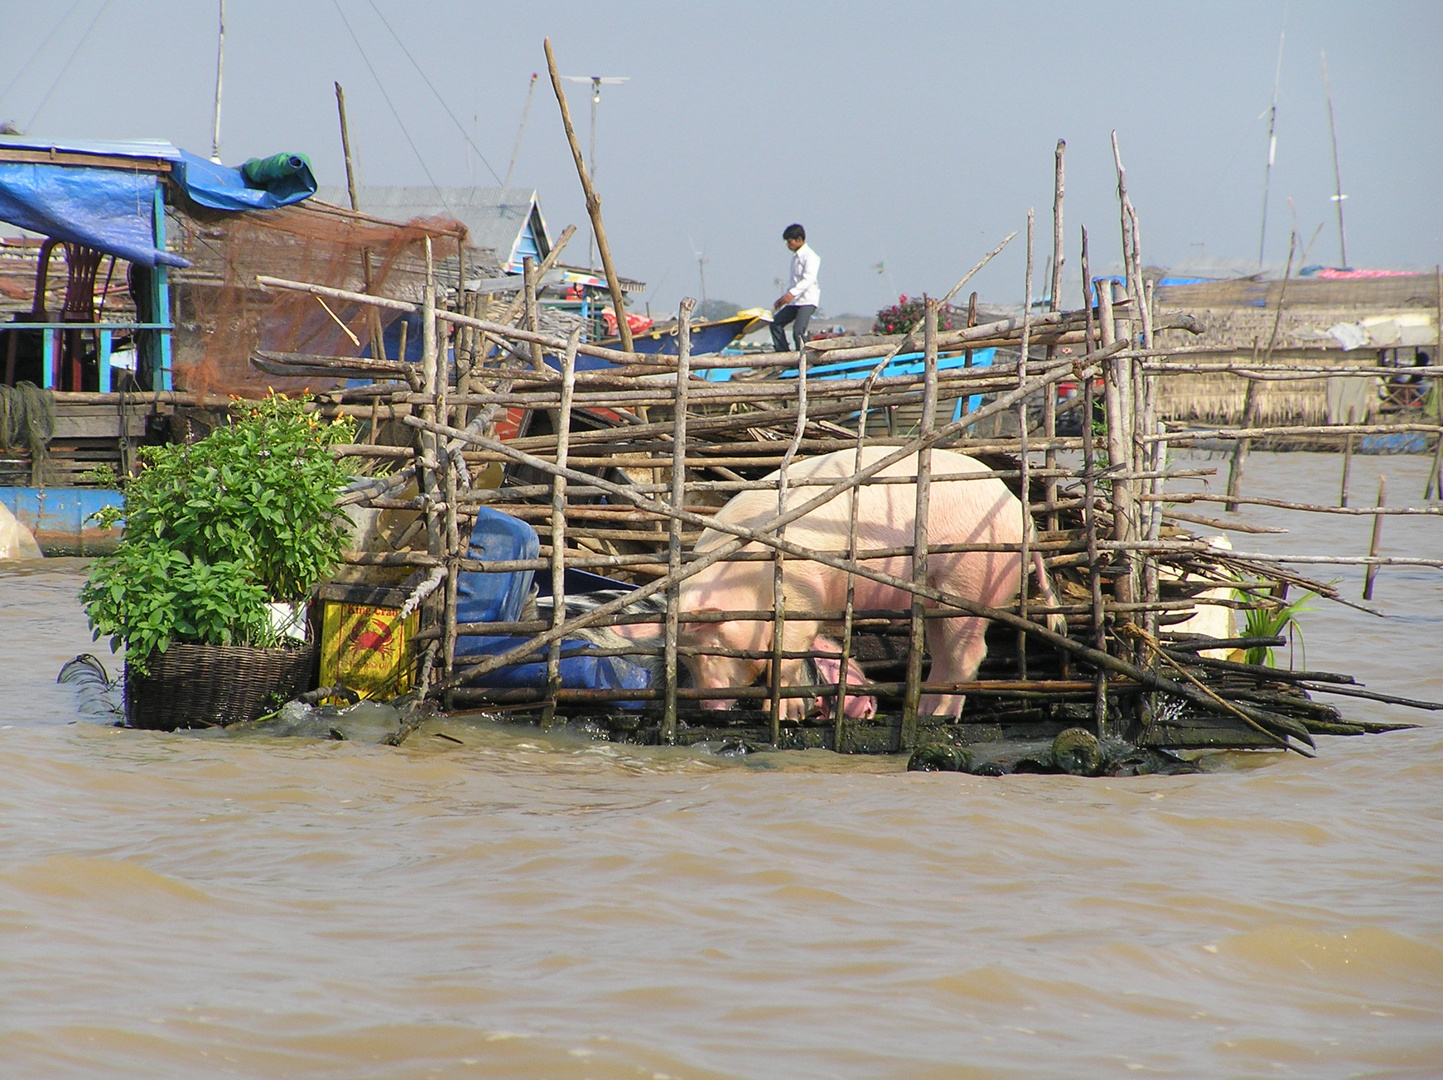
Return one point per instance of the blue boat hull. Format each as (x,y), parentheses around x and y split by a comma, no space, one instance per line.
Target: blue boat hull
(706,337)
(60,518)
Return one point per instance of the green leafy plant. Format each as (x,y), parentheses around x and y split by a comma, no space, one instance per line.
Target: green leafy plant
(101,476)
(216,530)
(1271,618)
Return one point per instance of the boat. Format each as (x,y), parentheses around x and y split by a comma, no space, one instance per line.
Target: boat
(712,336)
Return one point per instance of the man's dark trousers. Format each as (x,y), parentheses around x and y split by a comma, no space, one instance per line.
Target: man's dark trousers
(798,316)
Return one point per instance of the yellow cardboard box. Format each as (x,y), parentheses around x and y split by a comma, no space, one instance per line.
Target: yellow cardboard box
(366,646)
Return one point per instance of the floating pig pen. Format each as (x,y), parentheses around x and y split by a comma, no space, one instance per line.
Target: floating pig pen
(594,470)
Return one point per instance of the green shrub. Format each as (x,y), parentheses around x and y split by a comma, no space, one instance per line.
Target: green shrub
(217,529)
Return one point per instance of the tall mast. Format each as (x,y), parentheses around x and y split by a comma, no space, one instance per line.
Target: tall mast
(219,68)
(1338,195)
(1272,140)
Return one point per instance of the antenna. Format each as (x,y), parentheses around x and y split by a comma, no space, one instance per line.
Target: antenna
(1272,138)
(596,82)
(517,148)
(701,261)
(1338,195)
(219,67)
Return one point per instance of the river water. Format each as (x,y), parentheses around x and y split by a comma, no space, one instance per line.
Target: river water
(500,904)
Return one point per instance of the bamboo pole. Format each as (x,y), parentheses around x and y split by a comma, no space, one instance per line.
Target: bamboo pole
(454,551)
(593,206)
(427,444)
(1024,482)
(916,641)
(1347,462)
(850,556)
(1049,403)
(1089,513)
(558,526)
(1435,474)
(678,500)
(1372,571)
(1118,443)
(779,594)
(1361,511)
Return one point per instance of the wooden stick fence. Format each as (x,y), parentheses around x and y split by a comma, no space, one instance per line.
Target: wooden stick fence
(636,457)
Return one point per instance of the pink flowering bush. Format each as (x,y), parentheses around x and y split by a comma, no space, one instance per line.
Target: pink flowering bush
(907,314)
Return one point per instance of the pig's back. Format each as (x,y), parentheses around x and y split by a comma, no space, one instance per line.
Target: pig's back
(974,511)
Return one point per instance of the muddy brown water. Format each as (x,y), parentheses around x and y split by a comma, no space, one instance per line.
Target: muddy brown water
(521,906)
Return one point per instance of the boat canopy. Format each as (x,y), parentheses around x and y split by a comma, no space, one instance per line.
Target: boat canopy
(103,194)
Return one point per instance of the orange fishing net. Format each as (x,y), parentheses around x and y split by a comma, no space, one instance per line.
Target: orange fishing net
(222,317)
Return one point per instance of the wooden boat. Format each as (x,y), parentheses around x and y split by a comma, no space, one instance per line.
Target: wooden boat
(706,337)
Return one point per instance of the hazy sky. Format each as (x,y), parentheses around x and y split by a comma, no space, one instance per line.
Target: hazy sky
(907,138)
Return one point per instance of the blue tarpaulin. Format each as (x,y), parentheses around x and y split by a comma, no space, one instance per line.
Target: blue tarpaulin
(224,188)
(110,206)
(111,210)
(502,596)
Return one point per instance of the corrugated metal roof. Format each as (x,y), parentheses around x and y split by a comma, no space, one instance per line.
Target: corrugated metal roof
(508,221)
(135,148)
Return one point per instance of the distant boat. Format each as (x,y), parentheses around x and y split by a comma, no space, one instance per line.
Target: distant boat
(706,337)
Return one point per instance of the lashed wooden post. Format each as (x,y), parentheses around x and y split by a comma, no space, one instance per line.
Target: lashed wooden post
(916,637)
(427,442)
(1372,571)
(854,500)
(678,500)
(1049,403)
(1089,504)
(1022,425)
(1435,478)
(1347,463)
(454,552)
(779,596)
(558,524)
(593,205)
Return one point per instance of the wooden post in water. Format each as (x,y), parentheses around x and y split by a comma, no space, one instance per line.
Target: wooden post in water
(558,524)
(916,636)
(1435,478)
(1250,402)
(853,500)
(678,500)
(1089,507)
(1372,571)
(1026,478)
(1347,461)
(1049,403)
(1117,442)
(453,569)
(427,441)
(779,595)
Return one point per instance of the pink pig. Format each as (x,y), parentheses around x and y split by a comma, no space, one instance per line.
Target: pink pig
(961,512)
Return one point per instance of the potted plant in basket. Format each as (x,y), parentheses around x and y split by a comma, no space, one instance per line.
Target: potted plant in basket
(218,533)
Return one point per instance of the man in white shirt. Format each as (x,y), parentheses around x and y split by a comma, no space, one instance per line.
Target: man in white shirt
(795,306)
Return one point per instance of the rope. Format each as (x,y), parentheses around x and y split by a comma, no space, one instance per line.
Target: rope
(27,419)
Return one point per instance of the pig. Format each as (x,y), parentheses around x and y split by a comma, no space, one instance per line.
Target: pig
(961,511)
(824,667)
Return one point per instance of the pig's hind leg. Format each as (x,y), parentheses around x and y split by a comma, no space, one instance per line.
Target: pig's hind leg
(958,647)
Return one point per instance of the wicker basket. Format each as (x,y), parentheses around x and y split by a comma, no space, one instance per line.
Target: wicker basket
(191,686)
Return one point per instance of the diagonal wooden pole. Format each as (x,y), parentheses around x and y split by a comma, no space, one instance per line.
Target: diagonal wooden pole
(593,205)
